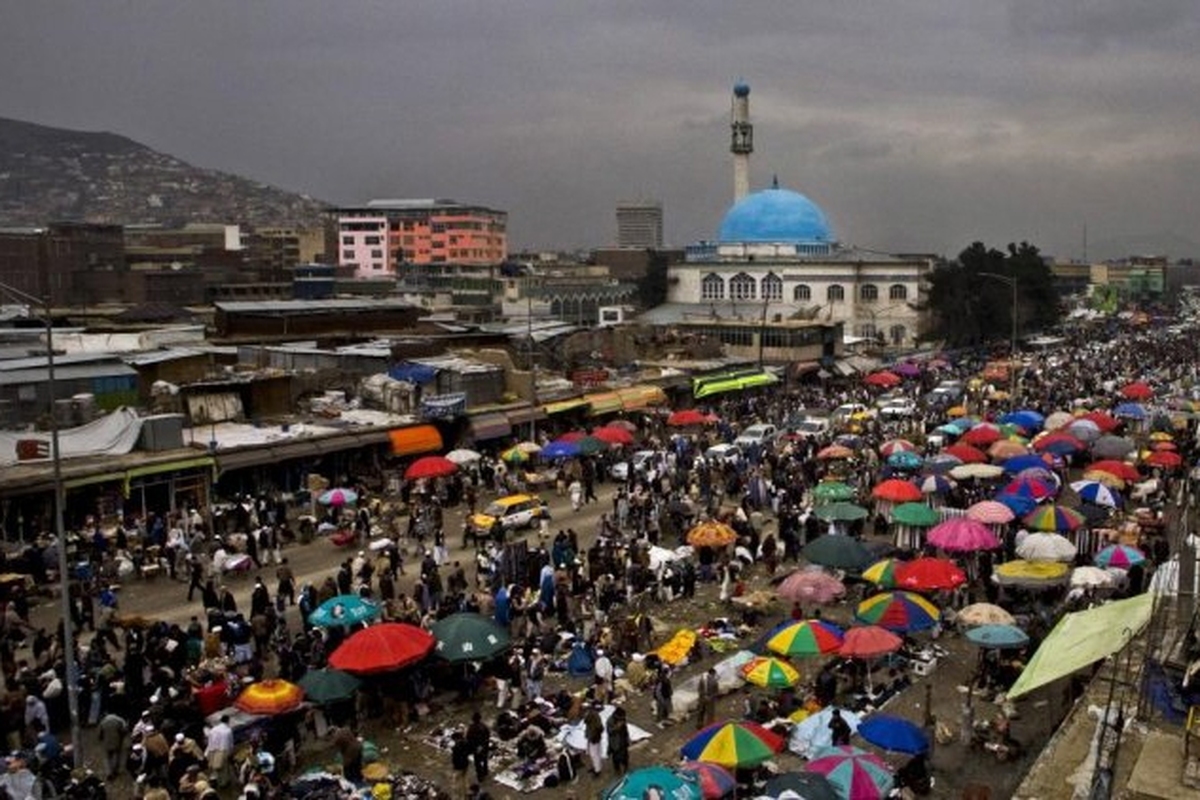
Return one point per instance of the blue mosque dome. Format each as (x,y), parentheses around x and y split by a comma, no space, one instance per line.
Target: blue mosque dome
(741,89)
(775,215)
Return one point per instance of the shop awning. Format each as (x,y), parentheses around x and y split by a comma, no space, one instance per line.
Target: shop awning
(415,440)
(719,384)
(636,398)
(490,426)
(562,406)
(603,403)
(805,367)
(526,415)
(1083,638)
(89,480)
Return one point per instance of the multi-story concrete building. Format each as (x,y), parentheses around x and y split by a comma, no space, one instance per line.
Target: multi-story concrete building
(74,263)
(384,235)
(640,225)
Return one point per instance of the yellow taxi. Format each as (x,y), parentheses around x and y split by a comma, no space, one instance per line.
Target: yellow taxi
(514,511)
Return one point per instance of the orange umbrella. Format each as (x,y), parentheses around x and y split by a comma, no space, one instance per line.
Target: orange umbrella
(711,534)
(834,452)
(895,490)
(382,648)
(270,697)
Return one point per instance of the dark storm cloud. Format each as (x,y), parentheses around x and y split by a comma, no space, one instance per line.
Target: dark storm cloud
(917,126)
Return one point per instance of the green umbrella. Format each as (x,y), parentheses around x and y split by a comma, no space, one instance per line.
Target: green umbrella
(916,514)
(468,637)
(323,686)
(838,552)
(590,446)
(841,512)
(832,492)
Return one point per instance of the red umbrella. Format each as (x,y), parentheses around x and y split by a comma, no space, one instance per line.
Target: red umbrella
(883,379)
(689,416)
(1058,442)
(869,641)
(1123,470)
(613,435)
(1138,390)
(715,780)
(430,467)
(1104,421)
(1164,458)
(929,574)
(382,648)
(966,453)
(895,490)
(982,435)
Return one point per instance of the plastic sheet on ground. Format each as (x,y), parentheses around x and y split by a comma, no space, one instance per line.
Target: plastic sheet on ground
(574,736)
(813,734)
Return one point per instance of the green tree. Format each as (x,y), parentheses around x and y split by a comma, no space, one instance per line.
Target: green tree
(968,307)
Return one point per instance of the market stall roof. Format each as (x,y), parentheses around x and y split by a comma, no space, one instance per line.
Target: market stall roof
(1083,638)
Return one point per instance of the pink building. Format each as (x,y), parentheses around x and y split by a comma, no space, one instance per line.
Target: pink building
(378,239)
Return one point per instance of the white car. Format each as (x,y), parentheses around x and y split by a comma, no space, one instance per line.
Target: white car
(899,407)
(637,464)
(812,426)
(723,453)
(757,435)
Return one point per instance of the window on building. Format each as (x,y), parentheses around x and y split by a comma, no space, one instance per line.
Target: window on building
(802,293)
(377,266)
(836,293)
(772,287)
(866,331)
(742,287)
(898,291)
(347,240)
(347,254)
(868,293)
(369,240)
(712,287)
(376,254)
(898,333)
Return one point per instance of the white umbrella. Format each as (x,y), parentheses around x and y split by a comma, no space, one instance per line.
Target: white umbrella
(462,457)
(1091,578)
(1046,547)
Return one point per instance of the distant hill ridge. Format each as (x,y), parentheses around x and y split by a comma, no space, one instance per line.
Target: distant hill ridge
(55,174)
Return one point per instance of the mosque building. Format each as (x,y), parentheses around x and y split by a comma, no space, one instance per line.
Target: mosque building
(776,259)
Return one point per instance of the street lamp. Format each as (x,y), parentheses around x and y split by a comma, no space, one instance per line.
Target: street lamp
(1012,347)
(64,581)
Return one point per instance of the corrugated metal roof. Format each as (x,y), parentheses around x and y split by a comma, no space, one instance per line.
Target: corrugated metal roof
(310,306)
(159,356)
(60,360)
(68,372)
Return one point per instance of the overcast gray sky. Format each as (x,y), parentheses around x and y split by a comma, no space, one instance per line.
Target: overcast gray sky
(918,126)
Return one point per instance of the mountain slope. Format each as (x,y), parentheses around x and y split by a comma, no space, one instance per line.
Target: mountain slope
(54,174)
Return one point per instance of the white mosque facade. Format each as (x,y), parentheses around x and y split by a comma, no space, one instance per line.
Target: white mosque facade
(775,258)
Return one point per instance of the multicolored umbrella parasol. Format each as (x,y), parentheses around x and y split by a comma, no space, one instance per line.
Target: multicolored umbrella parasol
(769,673)
(810,637)
(1119,556)
(733,744)
(1054,518)
(898,611)
(1097,493)
(715,780)
(338,497)
(857,774)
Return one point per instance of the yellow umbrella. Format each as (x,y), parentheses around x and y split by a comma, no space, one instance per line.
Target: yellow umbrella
(514,455)
(1031,573)
(770,673)
(1106,478)
(1160,436)
(270,697)
(957,411)
(711,534)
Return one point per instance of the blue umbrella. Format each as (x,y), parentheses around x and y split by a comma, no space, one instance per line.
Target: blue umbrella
(560,450)
(942,462)
(1026,418)
(998,637)
(345,609)
(1019,463)
(905,459)
(1019,504)
(965,423)
(895,734)
(1130,410)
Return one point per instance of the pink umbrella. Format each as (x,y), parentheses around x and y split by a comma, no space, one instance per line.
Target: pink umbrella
(962,535)
(811,586)
(991,512)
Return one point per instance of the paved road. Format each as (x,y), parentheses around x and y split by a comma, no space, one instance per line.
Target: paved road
(164,599)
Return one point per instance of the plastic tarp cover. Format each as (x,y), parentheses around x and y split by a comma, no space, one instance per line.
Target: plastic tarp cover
(1083,638)
(113,434)
(410,372)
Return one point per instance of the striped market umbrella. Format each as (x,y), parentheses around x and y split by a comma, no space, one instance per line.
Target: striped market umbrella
(936,484)
(1119,556)
(896,446)
(857,774)
(966,453)
(810,637)
(990,512)
(1097,493)
(1121,469)
(1035,488)
(715,781)
(1054,518)
(733,744)
(883,573)
(898,611)
(768,672)
(338,497)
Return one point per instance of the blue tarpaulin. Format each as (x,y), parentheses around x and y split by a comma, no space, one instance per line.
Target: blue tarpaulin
(409,372)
